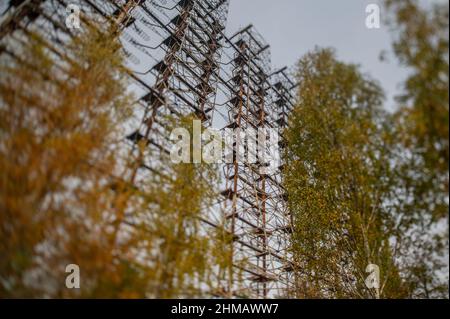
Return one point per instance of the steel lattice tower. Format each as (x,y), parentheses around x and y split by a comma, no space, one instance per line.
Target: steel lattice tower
(182,62)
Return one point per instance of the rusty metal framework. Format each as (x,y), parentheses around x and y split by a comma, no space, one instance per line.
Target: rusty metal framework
(182,62)
(258,218)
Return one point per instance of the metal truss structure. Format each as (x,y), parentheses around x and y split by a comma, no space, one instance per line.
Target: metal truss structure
(182,62)
(259,218)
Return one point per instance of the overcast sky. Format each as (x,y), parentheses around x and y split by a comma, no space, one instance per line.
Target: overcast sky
(293,27)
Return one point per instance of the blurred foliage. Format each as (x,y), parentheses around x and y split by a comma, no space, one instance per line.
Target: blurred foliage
(421,124)
(65,192)
(421,44)
(57,124)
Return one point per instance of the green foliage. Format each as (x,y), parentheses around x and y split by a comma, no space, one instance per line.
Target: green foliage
(369,187)
(337,178)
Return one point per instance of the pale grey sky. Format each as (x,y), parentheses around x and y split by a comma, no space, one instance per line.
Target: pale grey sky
(293,27)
